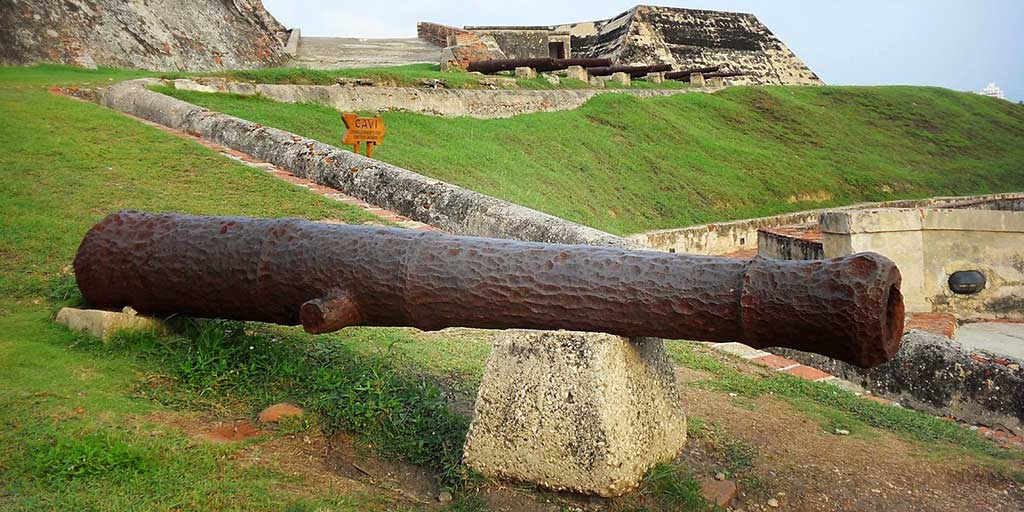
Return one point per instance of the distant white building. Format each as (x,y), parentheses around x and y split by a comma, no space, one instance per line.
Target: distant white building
(993,90)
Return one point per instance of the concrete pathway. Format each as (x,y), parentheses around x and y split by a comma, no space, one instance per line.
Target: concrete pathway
(1001,338)
(352,52)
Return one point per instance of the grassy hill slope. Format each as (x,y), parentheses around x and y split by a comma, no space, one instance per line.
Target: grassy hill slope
(625,165)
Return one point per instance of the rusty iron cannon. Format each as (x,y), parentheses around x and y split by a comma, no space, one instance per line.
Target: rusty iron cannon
(490,67)
(327,277)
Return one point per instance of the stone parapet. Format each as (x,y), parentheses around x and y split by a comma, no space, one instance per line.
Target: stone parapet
(434,202)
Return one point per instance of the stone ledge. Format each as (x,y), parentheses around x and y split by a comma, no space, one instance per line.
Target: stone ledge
(104,324)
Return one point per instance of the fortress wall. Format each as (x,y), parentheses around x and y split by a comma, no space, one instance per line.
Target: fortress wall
(183,35)
(478,103)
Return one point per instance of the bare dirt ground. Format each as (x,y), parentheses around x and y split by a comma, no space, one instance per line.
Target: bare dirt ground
(804,468)
(792,462)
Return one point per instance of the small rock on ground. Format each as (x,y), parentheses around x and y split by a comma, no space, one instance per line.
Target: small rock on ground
(719,492)
(277,412)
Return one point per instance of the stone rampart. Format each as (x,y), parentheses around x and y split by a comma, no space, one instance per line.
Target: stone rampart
(478,103)
(183,35)
(449,207)
(741,235)
(436,33)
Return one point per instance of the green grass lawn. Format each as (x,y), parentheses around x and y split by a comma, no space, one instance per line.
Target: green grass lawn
(626,165)
(74,432)
(408,75)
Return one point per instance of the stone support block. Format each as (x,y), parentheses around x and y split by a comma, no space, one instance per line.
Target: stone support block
(597,82)
(655,78)
(103,324)
(577,73)
(525,73)
(622,78)
(716,82)
(582,412)
(697,79)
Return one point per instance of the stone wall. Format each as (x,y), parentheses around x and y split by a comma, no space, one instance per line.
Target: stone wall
(741,235)
(938,375)
(790,243)
(436,33)
(520,43)
(484,104)
(446,206)
(690,38)
(929,245)
(183,35)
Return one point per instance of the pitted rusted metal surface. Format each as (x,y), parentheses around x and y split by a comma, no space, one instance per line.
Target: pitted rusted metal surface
(327,277)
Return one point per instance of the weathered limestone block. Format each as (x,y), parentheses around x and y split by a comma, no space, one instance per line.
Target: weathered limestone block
(655,78)
(584,412)
(524,73)
(697,79)
(597,82)
(552,78)
(577,73)
(716,82)
(104,324)
(622,78)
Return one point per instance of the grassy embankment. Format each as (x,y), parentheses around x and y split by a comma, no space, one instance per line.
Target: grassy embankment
(79,427)
(409,75)
(82,423)
(627,165)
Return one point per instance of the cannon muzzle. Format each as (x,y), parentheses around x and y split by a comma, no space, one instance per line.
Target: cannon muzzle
(327,277)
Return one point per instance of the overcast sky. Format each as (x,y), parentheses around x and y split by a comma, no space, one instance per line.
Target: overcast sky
(962,45)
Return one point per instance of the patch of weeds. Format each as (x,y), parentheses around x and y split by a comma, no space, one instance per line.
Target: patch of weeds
(294,425)
(92,455)
(696,428)
(395,412)
(673,489)
(62,291)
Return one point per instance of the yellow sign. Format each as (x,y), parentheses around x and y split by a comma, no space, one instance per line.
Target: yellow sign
(363,129)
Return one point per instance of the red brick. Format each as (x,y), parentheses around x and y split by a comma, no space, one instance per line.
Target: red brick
(806,372)
(774,361)
(943,324)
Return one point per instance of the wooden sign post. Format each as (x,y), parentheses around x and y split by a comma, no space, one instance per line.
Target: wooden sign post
(363,129)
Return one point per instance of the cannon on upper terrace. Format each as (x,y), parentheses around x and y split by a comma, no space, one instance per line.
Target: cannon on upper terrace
(327,277)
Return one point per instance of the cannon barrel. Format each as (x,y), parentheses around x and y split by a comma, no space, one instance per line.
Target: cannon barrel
(327,277)
(489,67)
(633,71)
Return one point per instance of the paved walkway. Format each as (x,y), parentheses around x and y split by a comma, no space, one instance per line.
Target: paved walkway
(1001,338)
(351,52)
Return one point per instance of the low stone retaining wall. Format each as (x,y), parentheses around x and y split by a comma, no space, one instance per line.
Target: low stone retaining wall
(741,235)
(798,242)
(937,375)
(479,103)
(446,206)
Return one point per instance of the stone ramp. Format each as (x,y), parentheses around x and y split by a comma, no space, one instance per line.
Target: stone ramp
(354,52)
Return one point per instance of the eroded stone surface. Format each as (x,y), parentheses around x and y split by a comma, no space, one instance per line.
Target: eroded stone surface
(192,35)
(584,412)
